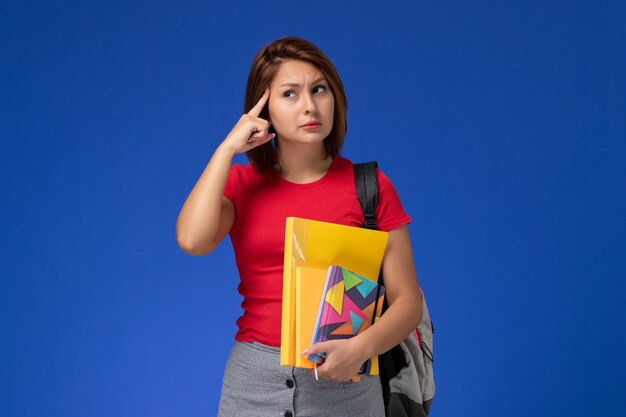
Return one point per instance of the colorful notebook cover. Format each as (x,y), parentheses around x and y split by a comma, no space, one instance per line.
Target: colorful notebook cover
(346,309)
(318,245)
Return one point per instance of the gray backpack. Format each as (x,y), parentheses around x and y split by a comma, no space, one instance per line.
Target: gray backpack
(406,370)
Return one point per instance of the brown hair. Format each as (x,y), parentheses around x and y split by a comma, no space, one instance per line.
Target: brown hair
(262,71)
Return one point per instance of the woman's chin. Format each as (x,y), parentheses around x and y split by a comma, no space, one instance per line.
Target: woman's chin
(309,139)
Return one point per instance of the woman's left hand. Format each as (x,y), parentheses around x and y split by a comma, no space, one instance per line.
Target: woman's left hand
(343,359)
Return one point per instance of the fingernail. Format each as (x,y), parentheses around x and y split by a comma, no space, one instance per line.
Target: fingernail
(304,351)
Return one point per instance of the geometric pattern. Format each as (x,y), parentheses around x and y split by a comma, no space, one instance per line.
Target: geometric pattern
(346,307)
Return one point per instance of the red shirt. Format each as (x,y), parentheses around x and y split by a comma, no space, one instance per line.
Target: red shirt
(262,202)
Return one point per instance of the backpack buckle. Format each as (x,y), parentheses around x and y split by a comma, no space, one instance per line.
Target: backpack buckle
(370,223)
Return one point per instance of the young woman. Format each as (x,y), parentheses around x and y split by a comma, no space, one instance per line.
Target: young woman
(292,130)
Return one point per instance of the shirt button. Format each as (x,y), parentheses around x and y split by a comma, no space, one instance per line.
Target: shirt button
(288,414)
(289,383)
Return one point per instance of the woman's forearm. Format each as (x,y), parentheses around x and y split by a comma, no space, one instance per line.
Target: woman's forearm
(392,327)
(403,294)
(199,219)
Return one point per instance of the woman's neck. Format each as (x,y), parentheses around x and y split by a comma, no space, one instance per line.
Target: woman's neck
(301,163)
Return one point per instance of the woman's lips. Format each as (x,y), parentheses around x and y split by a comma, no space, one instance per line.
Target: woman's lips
(311,126)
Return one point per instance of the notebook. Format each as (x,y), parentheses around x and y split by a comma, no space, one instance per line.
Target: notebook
(346,308)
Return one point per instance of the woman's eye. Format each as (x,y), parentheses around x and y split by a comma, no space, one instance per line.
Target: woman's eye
(287,94)
(319,88)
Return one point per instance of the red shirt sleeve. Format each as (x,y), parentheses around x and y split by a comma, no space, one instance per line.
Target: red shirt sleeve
(232,183)
(389,212)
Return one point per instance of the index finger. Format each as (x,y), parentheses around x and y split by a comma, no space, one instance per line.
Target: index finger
(256,110)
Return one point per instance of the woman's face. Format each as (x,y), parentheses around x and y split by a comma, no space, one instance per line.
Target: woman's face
(301,104)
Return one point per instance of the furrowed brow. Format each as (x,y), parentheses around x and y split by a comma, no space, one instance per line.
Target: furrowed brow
(298,85)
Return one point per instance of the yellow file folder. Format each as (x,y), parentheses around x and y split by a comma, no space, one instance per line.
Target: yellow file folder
(308,289)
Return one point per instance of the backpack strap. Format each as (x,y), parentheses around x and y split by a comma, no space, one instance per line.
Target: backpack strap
(367,191)
(392,361)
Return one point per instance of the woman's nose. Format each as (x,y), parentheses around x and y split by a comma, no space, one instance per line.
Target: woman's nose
(308,103)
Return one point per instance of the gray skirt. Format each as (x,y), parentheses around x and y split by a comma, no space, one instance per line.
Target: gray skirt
(255,385)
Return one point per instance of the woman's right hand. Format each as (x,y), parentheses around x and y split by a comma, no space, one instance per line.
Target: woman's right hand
(251,130)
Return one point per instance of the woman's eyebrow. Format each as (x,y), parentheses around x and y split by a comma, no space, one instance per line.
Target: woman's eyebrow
(298,85)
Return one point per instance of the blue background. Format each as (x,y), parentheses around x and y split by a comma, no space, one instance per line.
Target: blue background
(501,124)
